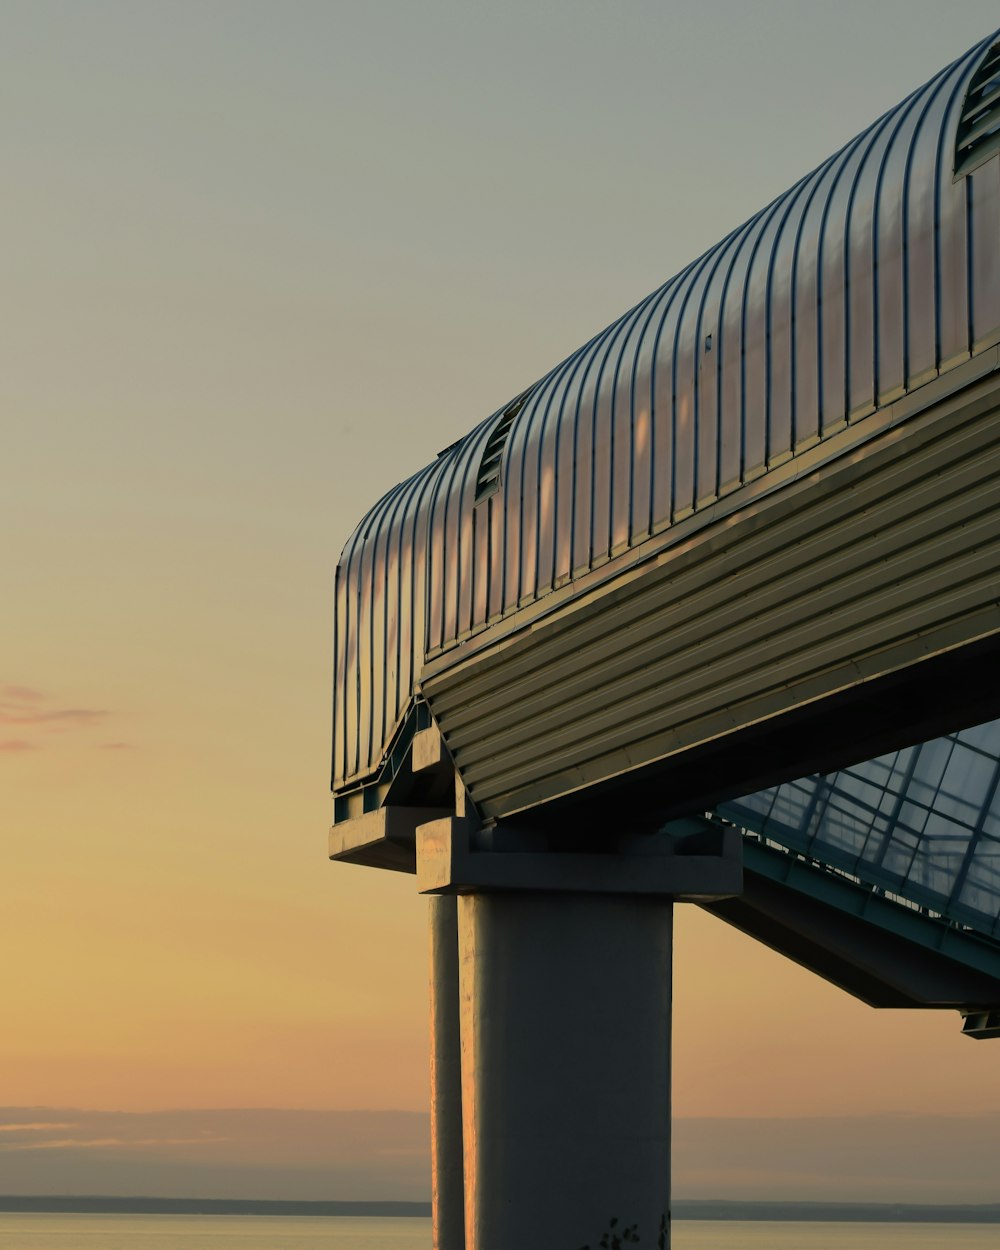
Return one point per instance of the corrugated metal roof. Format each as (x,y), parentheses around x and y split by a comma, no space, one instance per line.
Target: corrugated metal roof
(871,276)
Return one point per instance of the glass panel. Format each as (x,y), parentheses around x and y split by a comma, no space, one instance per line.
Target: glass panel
(923,822)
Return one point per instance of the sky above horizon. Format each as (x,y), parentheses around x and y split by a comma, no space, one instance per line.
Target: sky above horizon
(263,260)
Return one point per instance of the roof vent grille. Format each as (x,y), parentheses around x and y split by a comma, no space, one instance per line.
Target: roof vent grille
(979,128)
(488,479)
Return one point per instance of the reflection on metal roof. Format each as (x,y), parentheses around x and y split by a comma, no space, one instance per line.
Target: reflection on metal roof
(923,823)
(873,275)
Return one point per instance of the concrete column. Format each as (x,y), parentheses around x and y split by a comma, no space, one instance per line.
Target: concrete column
(565,1026)
(446,1078)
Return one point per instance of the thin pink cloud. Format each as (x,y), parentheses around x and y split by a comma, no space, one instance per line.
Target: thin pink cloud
(104,1143)
(38,1126)
(11,714)
(22,694)
(31,709)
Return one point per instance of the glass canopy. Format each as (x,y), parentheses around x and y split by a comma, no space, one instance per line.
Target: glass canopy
(922,823)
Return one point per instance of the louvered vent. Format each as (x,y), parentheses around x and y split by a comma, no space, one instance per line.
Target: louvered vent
(979,129)
(488,479)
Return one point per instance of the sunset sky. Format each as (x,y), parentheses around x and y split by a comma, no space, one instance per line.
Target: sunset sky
(263,260)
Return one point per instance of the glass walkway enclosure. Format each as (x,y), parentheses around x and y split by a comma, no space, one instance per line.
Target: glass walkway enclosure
(922,822)
(883,877)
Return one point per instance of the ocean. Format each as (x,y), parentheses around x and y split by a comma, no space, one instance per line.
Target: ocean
(223,1232)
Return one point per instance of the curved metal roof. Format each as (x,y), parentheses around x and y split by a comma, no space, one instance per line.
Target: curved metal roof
(875,273)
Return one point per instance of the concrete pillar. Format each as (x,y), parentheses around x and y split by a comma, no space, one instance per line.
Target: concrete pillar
(446,1078)
(565,1033)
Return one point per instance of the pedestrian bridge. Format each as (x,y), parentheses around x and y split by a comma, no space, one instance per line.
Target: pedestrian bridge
(707,613)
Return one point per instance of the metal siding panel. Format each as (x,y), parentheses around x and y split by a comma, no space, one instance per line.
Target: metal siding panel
(384,715)
(450,555)
(612,531)
(381,673)
(436,556)
(754,335)
(466,536)
(921,247)
(481,558)
(405,557)
(352,696)
(686,366)
(640,428)
(839,639)
(351,630)
(602,452)
(510,489)
(527,571)
(545,524)
(368,679)
(564,459)
(420,530)
(805,300)
(548,455)
(581,520)
(339,744)
(653,387)
(603,447)
(707,344)
(780,316)
(562,540)
(498,545)
(622,434)
(985,266)
(859,274)
(697,360)
(889,274)
(919,235)
(729,382)
(641,417)
(621,746)
(833,293)
(456,556)
(954,338)
(671,390)
(952,251)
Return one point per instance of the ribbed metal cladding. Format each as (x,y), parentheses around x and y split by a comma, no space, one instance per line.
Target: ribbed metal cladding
(871,563)
(874,275)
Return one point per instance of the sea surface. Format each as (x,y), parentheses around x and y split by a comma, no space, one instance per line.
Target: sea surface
(264,1232)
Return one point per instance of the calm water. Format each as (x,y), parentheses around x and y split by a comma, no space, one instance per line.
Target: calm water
(221,1232)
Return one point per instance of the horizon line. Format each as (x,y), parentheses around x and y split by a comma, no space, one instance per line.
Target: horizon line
(684,1208)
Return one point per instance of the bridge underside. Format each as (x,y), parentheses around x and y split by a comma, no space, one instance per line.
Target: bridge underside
(882,875)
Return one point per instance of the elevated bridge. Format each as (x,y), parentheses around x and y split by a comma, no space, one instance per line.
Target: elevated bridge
(708,613)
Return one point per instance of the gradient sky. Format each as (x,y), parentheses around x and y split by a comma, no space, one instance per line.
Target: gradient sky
(262,260)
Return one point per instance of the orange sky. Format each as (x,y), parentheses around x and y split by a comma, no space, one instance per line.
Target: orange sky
(261,267)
